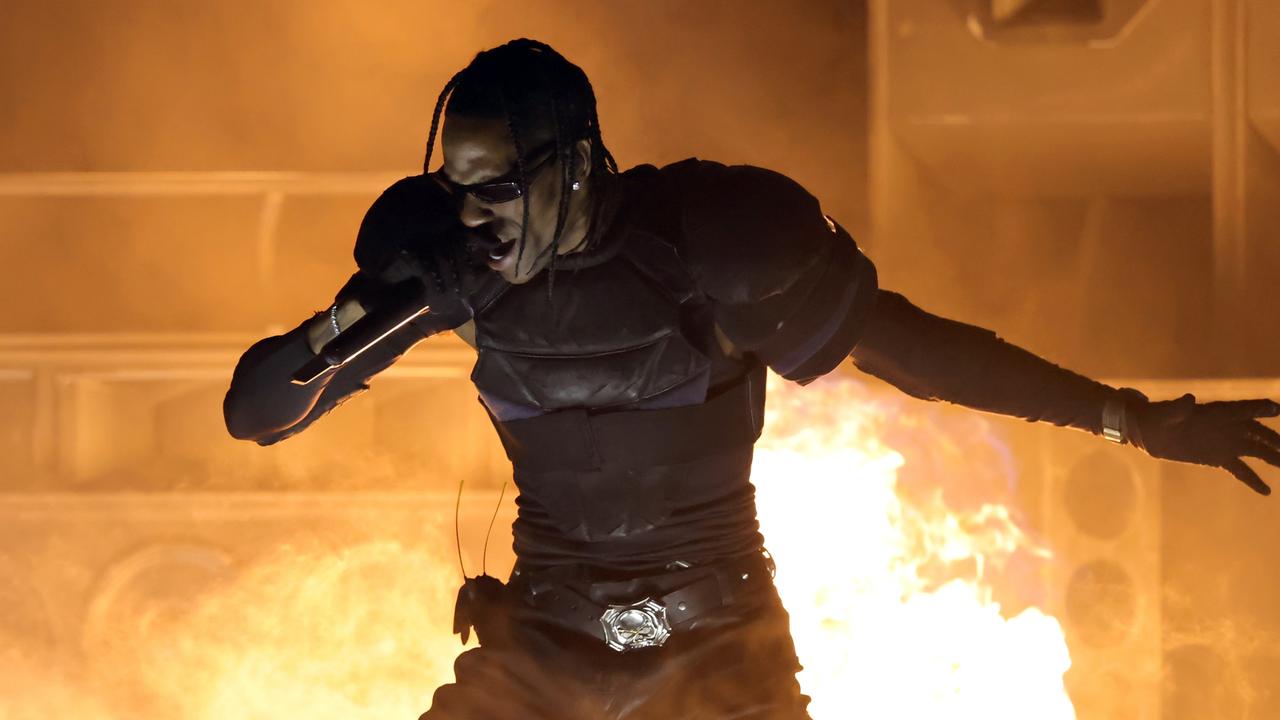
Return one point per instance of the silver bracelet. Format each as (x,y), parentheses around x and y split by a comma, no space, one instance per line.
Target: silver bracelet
(333,319)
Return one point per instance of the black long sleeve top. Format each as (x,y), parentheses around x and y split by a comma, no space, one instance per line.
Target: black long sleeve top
(757,261)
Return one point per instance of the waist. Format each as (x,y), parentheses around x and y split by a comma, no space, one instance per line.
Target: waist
(641,611)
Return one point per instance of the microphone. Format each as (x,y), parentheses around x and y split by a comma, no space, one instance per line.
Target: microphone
(401,304)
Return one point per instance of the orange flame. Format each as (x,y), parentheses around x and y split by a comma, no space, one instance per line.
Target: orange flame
(879,635)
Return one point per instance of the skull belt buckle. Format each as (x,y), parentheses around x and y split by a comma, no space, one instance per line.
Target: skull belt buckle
(638,625)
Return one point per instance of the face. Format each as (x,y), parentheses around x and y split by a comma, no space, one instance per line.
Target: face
(479,150)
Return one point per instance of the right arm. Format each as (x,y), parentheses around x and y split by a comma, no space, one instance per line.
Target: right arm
(410,229)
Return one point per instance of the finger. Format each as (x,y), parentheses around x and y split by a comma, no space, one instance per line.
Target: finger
(1263,452)
(1264,434)
(1246,475)
(1246,408)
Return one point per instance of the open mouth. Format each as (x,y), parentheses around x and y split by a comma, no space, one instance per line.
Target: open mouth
(501,249)
(493,246)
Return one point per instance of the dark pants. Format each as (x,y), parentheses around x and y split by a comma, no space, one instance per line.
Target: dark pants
(742,665)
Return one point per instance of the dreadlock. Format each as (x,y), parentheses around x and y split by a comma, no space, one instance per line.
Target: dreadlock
(534,89)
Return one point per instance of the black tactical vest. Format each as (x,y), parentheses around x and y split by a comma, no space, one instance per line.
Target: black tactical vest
(629,428)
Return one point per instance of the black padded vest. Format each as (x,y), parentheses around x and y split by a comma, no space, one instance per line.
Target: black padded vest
(628,426)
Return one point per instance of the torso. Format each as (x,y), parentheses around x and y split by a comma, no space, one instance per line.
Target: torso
(624,329)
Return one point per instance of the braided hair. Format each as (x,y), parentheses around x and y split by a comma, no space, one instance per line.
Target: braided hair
(534,89)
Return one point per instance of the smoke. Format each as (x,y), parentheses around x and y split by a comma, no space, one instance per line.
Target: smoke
(338,86)
(1212,670)
(359,631)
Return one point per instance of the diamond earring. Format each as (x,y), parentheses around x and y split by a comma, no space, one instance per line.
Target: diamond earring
(576,185)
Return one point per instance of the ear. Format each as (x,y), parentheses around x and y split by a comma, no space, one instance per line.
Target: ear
(582,161)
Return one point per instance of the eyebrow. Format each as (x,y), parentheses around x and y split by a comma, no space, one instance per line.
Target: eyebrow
(512,175)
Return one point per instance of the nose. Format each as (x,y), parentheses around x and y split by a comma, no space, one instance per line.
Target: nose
(473,213)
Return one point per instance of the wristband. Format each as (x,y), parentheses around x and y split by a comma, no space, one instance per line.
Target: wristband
(1113,420)
(1119,417)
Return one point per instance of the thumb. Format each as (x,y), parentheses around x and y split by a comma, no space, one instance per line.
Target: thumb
(1181,408)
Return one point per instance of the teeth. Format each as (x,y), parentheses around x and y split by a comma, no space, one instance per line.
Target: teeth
(501,250)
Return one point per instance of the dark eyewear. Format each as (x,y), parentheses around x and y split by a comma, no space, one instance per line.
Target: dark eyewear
(506,188)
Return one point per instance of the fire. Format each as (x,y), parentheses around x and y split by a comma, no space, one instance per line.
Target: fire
(351,632)
(890,606)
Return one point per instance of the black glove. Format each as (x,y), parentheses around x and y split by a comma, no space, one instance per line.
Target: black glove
(1218,434)
(412,231)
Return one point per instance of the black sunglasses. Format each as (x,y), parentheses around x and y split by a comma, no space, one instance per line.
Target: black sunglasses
(506,188)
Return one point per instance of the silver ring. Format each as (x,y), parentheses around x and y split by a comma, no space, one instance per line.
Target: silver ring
(333,319)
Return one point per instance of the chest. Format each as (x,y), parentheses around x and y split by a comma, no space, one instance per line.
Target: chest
(609,335)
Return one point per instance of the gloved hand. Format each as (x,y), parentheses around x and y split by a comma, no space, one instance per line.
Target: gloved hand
(1218,434)
(412,231)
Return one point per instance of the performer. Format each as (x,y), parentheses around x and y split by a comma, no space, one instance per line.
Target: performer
(622,329)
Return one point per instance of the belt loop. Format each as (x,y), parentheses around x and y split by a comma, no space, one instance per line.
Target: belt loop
(727,582)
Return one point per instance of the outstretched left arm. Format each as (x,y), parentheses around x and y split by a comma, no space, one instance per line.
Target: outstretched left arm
(791,287)
(939,359)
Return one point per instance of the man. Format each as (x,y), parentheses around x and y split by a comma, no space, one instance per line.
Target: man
(622,328)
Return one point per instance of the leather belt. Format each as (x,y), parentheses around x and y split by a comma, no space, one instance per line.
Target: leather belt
(649,620)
